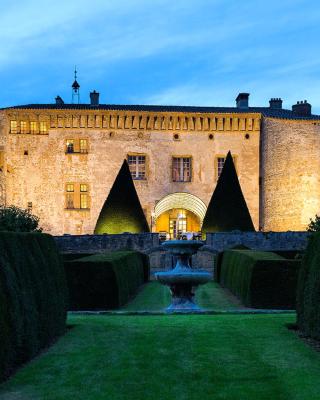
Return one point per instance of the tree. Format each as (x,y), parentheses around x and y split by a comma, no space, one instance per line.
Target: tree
(314,225)
(227,209)
(122,211)
(17,219)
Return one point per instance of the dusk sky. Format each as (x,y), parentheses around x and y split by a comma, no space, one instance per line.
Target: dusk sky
(177,52)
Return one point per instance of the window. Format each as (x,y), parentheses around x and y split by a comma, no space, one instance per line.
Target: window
(181,169)
(33,127)
(220,163)
(13,127)
(137,165)
(43,127)
(23,127)
(70,195)
(76,146)
(70,146)
(77,196)
(83,196)
(83,146)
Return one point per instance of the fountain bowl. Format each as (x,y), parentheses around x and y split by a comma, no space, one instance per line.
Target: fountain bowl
(182,280)
(183,247)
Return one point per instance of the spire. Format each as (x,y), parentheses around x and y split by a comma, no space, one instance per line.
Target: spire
(75,88)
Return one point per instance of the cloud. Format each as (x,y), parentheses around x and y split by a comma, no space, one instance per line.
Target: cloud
(181,52)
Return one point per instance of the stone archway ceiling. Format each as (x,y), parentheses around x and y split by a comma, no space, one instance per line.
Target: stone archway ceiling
(186,201)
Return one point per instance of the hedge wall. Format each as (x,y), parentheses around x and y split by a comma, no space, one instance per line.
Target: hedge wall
(219,257)
(308,293)
(32,297)
(105,281)
(260,279)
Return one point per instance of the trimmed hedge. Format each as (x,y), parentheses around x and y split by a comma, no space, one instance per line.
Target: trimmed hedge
(106,280)
(308,293)
(219,257)
(227,209)
(74,256)
(122,210)
(260,279)
(33,297)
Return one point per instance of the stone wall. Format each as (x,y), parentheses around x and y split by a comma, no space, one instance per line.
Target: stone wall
(100,243)
(3,169)
(162,260)
(40,168)
(290,174)
(258,240)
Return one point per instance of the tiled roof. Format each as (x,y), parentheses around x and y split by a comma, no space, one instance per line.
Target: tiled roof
(265,111)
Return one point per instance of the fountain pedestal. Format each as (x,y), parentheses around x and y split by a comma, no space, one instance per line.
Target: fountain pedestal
(182,280)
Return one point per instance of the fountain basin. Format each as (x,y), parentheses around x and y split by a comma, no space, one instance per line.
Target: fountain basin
(183,247)
(182,280)
(194,278)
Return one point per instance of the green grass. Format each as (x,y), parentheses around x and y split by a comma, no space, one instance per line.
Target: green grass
(156,297)
(184,357)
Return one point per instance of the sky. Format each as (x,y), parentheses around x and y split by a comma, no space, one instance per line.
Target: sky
(170,52)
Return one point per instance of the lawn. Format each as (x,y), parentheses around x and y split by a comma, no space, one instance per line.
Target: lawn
(157,297)
(177,357)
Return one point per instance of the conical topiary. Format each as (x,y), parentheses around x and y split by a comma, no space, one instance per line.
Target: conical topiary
(227,210)
(122,211)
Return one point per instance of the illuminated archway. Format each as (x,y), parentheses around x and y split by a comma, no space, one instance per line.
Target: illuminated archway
(182,200)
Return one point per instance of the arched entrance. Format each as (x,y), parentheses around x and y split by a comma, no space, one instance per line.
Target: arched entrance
(179,214)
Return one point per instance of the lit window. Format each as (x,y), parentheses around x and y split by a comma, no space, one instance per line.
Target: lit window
(77,196)
(137,165)
(83,146)
(43,127)
(23,127)
(70,195)
(33,127)
(77,146)
(181,169)
(70,146)
(13,127)
(83,196)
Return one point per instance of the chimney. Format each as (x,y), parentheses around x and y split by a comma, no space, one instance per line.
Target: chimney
(275,103)
(242,100)
(302,108)
(94,98)
(59,100)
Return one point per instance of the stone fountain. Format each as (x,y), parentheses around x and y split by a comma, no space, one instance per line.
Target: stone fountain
(182,280)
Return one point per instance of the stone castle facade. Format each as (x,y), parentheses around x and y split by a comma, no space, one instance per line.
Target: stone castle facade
(60,161)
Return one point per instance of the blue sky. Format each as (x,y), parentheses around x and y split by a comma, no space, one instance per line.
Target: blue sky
(189,52)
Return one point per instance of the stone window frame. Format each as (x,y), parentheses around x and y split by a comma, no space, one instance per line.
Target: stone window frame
(137,173)
(77,196)
(181,168)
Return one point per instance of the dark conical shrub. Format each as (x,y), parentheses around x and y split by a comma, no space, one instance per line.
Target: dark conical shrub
(122,211)
(227,210)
